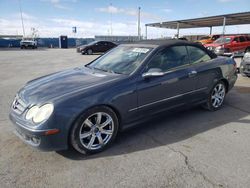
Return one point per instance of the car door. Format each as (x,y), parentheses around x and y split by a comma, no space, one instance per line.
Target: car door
(103,46)
(235,45)
(174,88)
(206,73)
(110,45)
(243,43)
(99,47)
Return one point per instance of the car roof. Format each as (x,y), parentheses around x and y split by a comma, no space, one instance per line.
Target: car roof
(157,43)
(232,36)
(168,43)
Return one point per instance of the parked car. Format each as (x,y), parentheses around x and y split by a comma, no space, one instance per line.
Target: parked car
(96,47)
(208,39)
(245,64)
(28,43)
(228,44)
(85,107)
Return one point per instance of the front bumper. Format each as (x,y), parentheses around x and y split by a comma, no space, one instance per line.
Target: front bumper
(38,138)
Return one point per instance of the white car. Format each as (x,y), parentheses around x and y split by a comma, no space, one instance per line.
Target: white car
(28,43)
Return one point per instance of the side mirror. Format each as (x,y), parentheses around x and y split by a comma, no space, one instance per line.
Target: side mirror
(234,42)
(153,73)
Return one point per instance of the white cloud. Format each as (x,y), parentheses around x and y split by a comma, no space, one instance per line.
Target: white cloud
(129,12)
(110,9)
(167,10)
(54,27)
(60,4)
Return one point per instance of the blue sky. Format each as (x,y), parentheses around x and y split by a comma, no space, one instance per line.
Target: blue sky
(57,17)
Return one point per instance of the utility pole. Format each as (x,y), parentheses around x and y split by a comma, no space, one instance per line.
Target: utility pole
(139,23)
(20,7)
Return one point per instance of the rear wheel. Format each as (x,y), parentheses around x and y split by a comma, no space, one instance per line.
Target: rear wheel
(216,97)
(95,130)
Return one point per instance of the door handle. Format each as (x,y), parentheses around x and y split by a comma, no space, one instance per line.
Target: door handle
(192,73)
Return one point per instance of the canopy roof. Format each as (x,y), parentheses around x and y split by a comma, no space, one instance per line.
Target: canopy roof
(211,21)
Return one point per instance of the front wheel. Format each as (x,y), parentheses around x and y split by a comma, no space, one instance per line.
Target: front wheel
(95,130)
(89,51)
(216,97)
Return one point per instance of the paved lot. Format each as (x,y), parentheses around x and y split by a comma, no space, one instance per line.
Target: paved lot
(195,148)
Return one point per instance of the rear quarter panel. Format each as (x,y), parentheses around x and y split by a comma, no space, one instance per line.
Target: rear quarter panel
(210,72)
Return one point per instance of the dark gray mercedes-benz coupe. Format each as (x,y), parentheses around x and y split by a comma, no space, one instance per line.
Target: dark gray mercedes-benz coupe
(87,106)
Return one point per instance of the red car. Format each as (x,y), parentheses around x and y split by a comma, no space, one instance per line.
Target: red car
(228,44)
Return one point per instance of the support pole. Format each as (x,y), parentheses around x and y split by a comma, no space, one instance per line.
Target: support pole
(211,29)
(224,25)
(146,32)
(178,30)
(139,23)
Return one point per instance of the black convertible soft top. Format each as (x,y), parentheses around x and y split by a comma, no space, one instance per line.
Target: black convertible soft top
(174,42)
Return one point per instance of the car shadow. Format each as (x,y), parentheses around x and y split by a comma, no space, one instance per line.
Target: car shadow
(166,129)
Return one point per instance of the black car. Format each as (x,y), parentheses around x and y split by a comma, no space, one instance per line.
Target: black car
(245,64)
(96,47)
(85,107)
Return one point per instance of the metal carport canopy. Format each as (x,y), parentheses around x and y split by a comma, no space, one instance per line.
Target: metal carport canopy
(211,21)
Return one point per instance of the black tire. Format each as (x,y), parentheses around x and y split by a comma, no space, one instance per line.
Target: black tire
(89,51)
(79,144)
(210,104)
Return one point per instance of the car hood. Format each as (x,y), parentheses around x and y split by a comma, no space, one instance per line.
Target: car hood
(214,44)
(67,82)
(205,41)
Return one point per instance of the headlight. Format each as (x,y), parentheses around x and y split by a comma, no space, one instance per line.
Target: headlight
(32,111)
(39,114)
(246,56)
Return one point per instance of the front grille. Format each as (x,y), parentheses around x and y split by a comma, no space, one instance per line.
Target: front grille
(18,105)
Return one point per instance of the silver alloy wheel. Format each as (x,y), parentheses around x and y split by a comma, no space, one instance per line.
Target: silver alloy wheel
(218,95)
(96,130)
(89,51)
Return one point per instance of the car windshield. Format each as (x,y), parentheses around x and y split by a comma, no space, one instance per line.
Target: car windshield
(93,42)
(121,60)
(223,40)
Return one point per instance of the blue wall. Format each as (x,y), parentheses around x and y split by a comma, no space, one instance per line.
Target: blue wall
(46,42)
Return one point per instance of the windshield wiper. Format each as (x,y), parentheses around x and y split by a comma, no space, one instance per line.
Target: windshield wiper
(96,68)
(114,72)
(104,70)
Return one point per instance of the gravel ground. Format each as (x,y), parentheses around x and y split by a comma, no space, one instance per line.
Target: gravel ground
(195,148)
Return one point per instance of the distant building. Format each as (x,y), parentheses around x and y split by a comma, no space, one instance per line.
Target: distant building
(116,38)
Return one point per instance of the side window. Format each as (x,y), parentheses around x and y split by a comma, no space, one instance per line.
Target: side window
(197,55)
(236,39)
(169,58)
(215,37)
(110,44)
(242,39)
